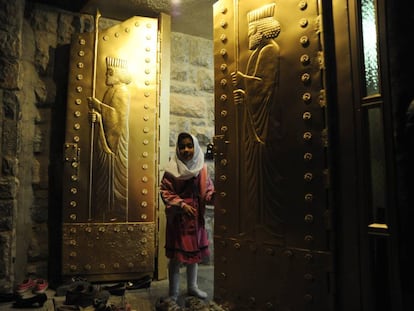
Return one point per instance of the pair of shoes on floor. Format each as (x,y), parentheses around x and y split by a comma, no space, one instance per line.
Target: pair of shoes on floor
(84,295)
(36,301)
(37,286)
(80,294)
(144,282)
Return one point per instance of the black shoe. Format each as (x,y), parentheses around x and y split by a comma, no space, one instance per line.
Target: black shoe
(144,282)
(116,290)
(8,297)
(82,295)
(73,282)
(32,302)
(100,300)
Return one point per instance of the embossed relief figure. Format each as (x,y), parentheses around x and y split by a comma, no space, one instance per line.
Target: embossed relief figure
(110,144)
(255,91)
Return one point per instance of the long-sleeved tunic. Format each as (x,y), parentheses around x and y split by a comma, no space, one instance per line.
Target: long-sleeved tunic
(186,236)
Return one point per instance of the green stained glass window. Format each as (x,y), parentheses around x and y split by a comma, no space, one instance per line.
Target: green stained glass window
(370,46)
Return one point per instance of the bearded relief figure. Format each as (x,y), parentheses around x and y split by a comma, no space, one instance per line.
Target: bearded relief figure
(110,144)
(255,92)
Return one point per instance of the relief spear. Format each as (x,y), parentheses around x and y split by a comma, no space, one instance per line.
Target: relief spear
(95,56)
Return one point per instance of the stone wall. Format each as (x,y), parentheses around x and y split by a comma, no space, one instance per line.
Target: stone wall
(29,37)
(192,99)
(33,79)
(192,85)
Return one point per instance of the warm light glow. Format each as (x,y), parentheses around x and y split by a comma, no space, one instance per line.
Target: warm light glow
(378,226)
(175,7)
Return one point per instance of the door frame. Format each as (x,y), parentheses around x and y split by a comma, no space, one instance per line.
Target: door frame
(355,282)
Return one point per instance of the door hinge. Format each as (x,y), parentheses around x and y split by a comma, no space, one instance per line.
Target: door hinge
(322,98)
(321,60)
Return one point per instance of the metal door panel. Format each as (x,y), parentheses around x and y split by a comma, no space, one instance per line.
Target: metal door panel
(108,251)
(272,224)
(263,277)
(111,238)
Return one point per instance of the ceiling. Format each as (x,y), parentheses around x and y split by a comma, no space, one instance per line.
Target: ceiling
(193,17)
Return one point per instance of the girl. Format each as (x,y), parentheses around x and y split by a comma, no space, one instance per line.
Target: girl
(185,189)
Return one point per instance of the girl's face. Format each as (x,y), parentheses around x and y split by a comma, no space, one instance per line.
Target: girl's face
(185,149)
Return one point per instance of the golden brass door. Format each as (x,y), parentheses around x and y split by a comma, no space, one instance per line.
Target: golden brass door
(110,152)
(272,219)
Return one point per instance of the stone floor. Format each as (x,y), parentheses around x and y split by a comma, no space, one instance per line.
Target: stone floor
(141,299)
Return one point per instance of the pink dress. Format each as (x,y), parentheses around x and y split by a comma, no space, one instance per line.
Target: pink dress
(186,236)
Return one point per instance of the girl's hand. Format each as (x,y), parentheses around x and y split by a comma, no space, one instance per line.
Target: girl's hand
(188,209)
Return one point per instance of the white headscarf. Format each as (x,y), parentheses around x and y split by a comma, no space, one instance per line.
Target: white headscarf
(188,170)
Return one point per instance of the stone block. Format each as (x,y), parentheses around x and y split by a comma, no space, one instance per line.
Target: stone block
(43,44)
(204,135)
(5,247)
(10,141)
(201,52)
(205,80)
(180,48)
(8,188)
(9,166)
(65,29)
(11,15)
(9,75)
(40,92)
(6,208)
(44,20)
(179,72)
(183,88)
(11,105)
(6,224)
(189,106)
(9,45)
